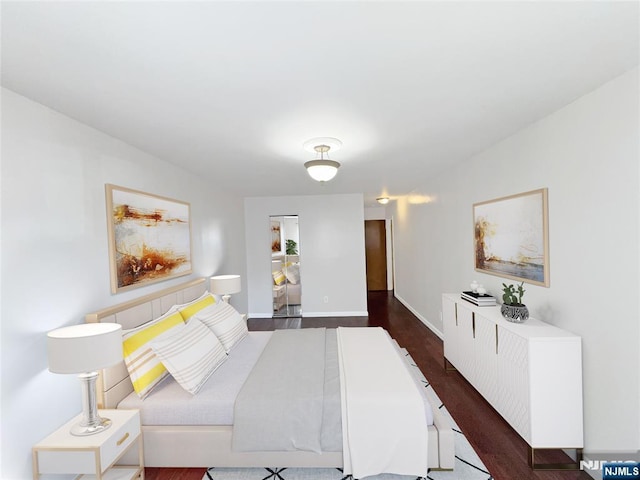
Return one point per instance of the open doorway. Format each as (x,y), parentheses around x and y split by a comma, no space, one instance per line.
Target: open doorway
(285,266)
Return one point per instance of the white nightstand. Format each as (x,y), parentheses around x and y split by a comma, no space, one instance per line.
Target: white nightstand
(92,455)
(278,297)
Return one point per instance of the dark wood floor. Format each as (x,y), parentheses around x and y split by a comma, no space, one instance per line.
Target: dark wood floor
(498,445)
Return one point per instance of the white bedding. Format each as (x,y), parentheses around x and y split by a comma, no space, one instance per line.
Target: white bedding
(170,404)
(383,420)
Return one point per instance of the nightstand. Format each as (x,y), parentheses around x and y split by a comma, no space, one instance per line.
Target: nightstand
(92,455)
(278,297)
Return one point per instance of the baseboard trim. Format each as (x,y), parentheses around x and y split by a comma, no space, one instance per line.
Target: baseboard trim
(335,314)
(315,314)
(427,323)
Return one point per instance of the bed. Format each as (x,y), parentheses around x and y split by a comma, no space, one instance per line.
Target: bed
(209,443)
(285,271)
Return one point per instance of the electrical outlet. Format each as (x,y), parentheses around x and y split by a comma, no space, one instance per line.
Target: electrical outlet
(325,299)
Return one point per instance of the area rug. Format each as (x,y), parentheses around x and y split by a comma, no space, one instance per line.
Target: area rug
(468,465)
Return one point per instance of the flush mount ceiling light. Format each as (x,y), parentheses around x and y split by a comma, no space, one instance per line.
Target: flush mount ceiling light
(382,200)
(322,170)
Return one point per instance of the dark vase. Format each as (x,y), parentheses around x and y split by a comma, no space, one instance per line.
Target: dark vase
(515,313)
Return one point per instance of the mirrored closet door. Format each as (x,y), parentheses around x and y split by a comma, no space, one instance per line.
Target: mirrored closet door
(285,266)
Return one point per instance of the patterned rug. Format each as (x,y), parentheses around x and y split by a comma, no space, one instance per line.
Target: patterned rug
(467,464)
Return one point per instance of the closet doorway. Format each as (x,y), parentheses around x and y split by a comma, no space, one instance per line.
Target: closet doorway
(285,266)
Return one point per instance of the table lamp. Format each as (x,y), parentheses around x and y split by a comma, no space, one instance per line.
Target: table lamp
(84,349)
(225,285)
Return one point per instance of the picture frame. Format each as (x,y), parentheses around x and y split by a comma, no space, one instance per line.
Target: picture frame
(149,238)
(277,238)
(511,237)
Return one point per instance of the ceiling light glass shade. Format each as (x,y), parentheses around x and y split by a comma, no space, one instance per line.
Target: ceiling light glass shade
(322,170)
(382,200)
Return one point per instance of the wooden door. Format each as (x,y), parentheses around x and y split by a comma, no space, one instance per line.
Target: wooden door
(376,253)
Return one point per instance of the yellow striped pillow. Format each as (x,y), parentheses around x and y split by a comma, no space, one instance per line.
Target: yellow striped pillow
(145,368)
(278,277)
(188,310)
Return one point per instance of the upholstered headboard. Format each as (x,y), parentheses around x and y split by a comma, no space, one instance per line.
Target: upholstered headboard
(113,383)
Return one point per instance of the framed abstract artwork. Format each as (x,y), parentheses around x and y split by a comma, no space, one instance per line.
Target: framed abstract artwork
(277,244)
(511,237)
(149,238)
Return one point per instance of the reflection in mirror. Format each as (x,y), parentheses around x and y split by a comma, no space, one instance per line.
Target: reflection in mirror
(285,266)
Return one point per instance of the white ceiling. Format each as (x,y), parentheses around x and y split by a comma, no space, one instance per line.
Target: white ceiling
(231,90)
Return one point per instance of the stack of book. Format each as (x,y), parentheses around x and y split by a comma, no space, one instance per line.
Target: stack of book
(479,299)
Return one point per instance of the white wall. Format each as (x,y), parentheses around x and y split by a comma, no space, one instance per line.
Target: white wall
(332,263)
(587,155)
(375,213)
(55,258)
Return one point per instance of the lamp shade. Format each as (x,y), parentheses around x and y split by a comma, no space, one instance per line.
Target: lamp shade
(322,170)
(225,284)
(84,348)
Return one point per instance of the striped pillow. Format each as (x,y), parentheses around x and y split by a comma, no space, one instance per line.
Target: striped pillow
(292,273)
(188,310)
(145,369)
(278,277)
(191,354)
(225,322)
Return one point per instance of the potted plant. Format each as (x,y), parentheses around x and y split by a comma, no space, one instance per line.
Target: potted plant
(512,307)
(291,247)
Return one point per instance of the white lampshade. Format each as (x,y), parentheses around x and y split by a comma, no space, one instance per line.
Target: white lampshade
(84,348)
(322,170)
(225,284)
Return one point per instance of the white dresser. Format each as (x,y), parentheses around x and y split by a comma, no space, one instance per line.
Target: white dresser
(531,372)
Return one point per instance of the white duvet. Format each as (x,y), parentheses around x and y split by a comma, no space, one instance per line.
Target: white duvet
(383,418)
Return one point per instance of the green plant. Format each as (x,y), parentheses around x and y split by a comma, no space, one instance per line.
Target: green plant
(292,247)
(510,297)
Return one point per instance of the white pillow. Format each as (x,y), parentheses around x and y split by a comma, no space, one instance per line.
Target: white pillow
(145,368)
(292,273)
(227,324)
(191,354)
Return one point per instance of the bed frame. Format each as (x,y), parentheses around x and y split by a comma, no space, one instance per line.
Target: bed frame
(210,446)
